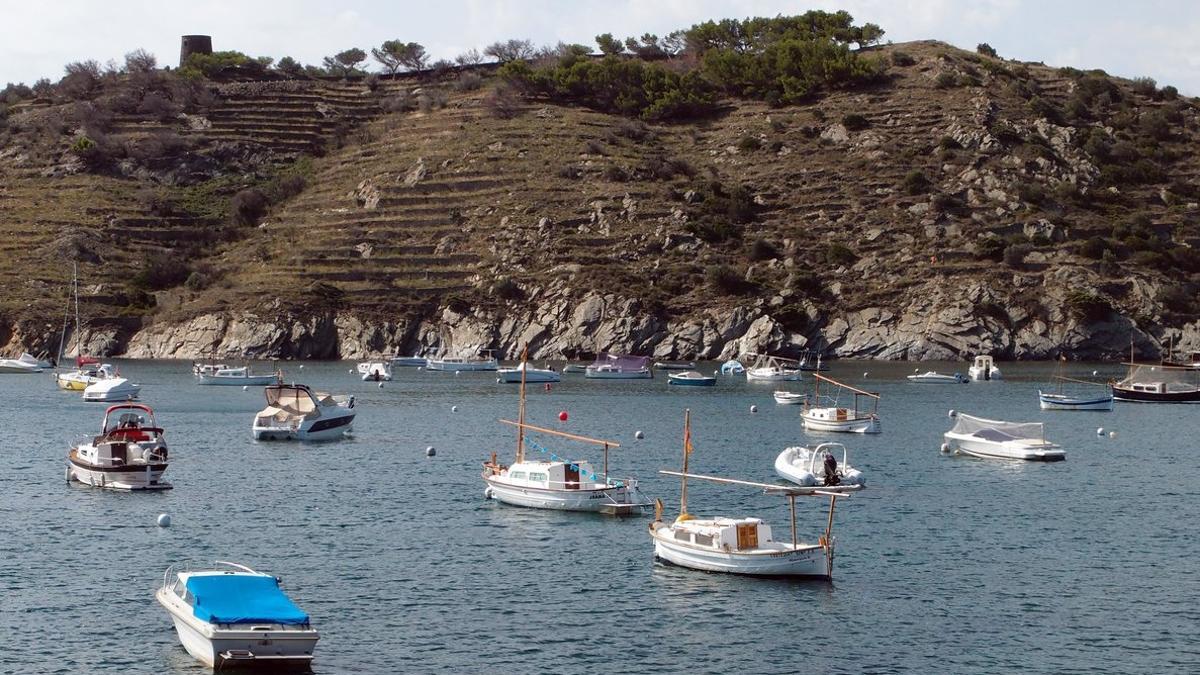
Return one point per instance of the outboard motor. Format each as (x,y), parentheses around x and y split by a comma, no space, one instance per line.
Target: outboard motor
(831,475)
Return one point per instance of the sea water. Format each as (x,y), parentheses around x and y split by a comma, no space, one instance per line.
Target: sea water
(944,564)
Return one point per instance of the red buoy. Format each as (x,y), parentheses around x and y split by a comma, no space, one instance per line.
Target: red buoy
(562,416)
(547,386)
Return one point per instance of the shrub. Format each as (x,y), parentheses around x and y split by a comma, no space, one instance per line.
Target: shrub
(345,62)
(1169,93)
(838,254)
(902,59)
(616,173)
(197,281)
(1043,108)
(1146,86)
(726,280)
(915,182)
(634,130)
(1094,248)
(511,50)
(990,248)
(1014,255)
(1032,193)
(662,168)
(945,80)
(807,284)
(855,122)
(949,143)
(290,67)
(749,143)
(161,270)
(507,289)
(502,102)
(248,206)
(762,249)
(714,231)
(1088,306)
(986,49)
(468,82)
(570,172)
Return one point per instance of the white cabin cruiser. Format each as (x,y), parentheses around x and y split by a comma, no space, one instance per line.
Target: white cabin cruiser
(296,413)
(984,369)
(239,376)
(823,413)
(110,387)
(995,439)
(228,615)
(25,363)
(812,467)
(460,363)
(513,375)
(742,545)
(375,371)
(934,377)
(129,454)
(616,367)
(768,368)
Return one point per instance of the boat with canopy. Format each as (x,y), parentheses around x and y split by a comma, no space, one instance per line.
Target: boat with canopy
(1155,383)
(554,482)
(824,412)
(295,412)
(996,439)
(129,454)
(740,545)
(619,367)
(769,368)
(984,369)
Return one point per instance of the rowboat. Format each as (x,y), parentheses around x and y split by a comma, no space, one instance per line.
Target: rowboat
(691,378)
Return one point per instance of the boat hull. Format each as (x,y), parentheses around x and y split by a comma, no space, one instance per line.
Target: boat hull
(643,374)
(1122,394)
(333,429)
(760,375)
(238,645)
(410,361)
(74,382)
(692,381)
(251,381)
(803,561)
(513,376)
(1032,451)
(1060,402)
(468,366)
(147,477)
(592,500)
(861,425)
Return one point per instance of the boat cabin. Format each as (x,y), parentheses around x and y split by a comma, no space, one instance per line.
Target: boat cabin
(832,414)
(130,422)
(725,534)
(555,475)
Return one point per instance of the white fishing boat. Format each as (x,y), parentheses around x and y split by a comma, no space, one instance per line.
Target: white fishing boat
(23,364)
(691,378)
(674,365)
(824,413)
(409,361)
(540,375)
(110,387)
(984,369)
(241,376)
(618,367)
(769,368)
(129,454)
(1081,395)
(464,364)
(554,482)
(789,397)
(818,466)
(375,371)
(732,367)
(744,545)
(995,439)
(229,616)
(296,413)
(934,377)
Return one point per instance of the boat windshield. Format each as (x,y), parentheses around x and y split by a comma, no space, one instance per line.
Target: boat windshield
(296,398)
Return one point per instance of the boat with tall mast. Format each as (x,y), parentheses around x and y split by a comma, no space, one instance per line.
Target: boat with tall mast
(740,545)
(554,482)
(1076,397)
(823,413)
(1156,383)
(87,369)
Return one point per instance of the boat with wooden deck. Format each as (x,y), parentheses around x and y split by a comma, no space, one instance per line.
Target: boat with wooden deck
(740,545)
(824,413)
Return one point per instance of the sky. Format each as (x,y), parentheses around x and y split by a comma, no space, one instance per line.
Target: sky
(1154,38)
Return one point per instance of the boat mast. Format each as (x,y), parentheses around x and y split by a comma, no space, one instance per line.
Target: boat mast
(75,289)
(687,450)
(521,407)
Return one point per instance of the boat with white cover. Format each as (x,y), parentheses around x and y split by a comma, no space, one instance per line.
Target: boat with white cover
(129,454)
(732,367)
(934,377)
(996,439)
(296,413)
(818,466)
(984,369)
(1156,383)
(464,364)
(554,482)
(769,368)
(540,375)
(740,545)
(617,367)
(409,361)
(228,615)
(110,387)
(240,376)
(375,371)
(824,413)
(23,364)
(789,397)
(691,378)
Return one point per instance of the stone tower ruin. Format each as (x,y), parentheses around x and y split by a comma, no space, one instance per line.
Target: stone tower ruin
(194,44)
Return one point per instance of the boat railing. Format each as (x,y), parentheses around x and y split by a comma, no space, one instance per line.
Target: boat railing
(175,569)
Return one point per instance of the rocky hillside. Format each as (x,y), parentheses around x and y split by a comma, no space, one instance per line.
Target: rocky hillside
(962,203)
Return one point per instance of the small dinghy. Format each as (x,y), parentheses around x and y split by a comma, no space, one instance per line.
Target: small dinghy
(769,368)
(790,398)
(996,439)
(129,454)
(732,367)
(691,378)
(934,377)
(1083,394)
(375,371)
(818,466)
(228,615)
(241,376)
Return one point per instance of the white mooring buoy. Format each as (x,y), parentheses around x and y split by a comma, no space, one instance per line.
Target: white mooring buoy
(163,520)
(381,385)
(1112,434)
(453,408)
(430,451)
(951,413)
(639,435)
(753,408)
(245,387)
(1100,431)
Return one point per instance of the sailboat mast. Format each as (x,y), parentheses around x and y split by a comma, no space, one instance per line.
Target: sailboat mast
(75,289)
(687,450)
(521,407)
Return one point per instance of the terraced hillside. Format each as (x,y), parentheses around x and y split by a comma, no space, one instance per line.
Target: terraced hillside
(950,208)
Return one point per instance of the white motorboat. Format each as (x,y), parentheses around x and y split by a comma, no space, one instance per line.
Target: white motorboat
(199,369)
(818,466)
(740,545)
(240,376)
(789,397)
(616,367)
(296,413)
(768,368)
(823,413)
(409,361)
(691,378)
(375,371)
(554,482)
(461,364)
(934,377)
(984,369)
(513,375)
(110,387)
(129,454)
(995,439)
(25,363)
(228,615)
(732,367)
(575,368)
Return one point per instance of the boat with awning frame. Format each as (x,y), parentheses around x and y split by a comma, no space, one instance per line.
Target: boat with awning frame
(822,413)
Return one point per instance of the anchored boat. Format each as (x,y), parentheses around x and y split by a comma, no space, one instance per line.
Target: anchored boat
(375,371)
(296,413)
(996,439)
(228,615)
(691,378)
(769,368)
(25,363)
(514,375)
(789,397)
(409,361)
(1083,395)
(617,367)
(1154,383)
(934,377)
(110,387)
(812,467)
(822,413)
(463,363)
(129,454)
(241,376)
(984,369)
(740,545)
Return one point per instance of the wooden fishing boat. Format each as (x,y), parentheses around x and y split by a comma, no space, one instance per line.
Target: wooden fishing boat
(823,413)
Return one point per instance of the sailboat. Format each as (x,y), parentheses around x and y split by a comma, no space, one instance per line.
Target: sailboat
(87,370)
(740,545)
(554,482)
(1076,398)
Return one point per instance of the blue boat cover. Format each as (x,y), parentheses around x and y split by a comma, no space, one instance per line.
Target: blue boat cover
(242,598)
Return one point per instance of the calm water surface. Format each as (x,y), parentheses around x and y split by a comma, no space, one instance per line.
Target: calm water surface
(944,564)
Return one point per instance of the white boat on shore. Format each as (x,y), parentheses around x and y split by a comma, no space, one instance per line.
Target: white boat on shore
(615,367)
(740,545)
(296,413)
(539,375)
(984,369)
(110,387)
(23,364)
(934,377)
(227,615)
(996,439)
(129,454)
(240,376)
(823,413)
(769,368)
(812,467)
(463,363)
(375,371)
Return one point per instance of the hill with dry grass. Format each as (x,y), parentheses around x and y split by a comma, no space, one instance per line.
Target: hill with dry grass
(959,203)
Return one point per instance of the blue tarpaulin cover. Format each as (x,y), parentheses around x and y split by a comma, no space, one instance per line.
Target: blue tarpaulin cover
(241,598)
